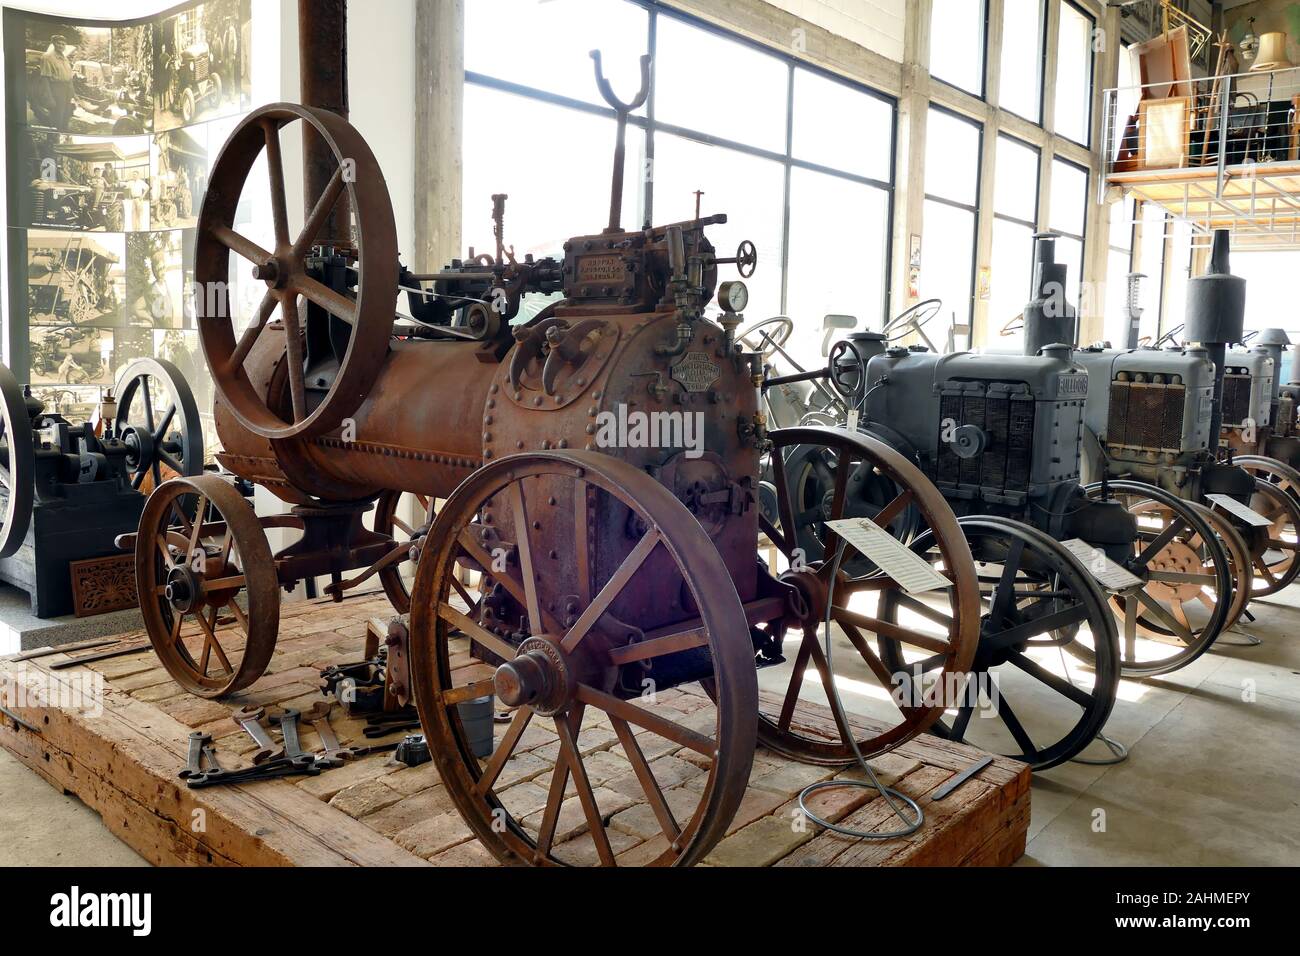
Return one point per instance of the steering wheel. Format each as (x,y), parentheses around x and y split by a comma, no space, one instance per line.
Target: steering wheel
(1013,325)
(912,319)
(753,336)
(1169,336)
(845,370)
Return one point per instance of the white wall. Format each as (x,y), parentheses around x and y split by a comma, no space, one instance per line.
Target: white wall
(874,24)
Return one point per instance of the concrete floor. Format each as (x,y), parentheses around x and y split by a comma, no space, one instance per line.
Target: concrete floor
(1211,779)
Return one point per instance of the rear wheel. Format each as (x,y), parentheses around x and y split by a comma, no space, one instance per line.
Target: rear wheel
(1047,641)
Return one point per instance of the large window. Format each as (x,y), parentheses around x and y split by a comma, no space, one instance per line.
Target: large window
(1015,217)
(802,163)
(1068,212)
(1021,88)
(957,39)
(1152,221)
(952,165)
(1119,258)
(1074,74)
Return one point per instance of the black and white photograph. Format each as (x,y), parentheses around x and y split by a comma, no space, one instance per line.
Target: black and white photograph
(76,278)
(201,64)
(89,79)
(86,183)
(178,177)
(71,355)
(155,280)
(76,403)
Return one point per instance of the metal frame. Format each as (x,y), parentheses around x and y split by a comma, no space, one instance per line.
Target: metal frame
(984,58)
(1092,77)
(973,209)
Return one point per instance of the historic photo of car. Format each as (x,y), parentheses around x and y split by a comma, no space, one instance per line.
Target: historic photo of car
(71,355)
(89,79)
(75,278)
(85,183)
(201,62)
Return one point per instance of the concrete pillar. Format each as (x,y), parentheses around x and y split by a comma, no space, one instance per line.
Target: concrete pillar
(438,131)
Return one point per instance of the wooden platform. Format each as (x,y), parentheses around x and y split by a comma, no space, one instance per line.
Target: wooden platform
(121,759)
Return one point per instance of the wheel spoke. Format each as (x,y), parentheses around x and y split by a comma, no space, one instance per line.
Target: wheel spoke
(1059,684)
(1166,618)
(249,336)
(475,631)
(210,635)
(612,589)
(484,560)
(239,244)
(509,740)
(961,722)
(650,721)
(472,691)
(872,659)
(645,776)
(1159,542)
(569,752)
(891,631)
(785,509)
(1003,596)
(335,303)
(652,647)
(524,549)
(892,510)
(161,430)
(275,168)
(1017,729)
(1019,633)
(294,357)
(319,213)
(196,529)
(842,469)
(796,683)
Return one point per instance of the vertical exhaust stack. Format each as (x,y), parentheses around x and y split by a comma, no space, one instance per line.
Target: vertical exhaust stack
(1049,318)
(323,78)
(1133,310)
(1216,318)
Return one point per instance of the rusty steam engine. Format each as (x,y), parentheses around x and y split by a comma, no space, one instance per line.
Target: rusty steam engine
(602,568)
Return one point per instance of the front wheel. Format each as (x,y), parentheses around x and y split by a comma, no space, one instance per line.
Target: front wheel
(611,628)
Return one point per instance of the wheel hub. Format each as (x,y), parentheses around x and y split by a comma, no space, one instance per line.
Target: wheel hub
(813,593)
(1178,558)
(139,445)
(538,677)
(271,272)
(182,588)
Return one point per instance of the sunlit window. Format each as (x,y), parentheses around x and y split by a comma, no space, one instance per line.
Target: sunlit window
(1151,261)
(1074,74)
(1068,211)
(1015,214)
(1021,89)
(1119,257)
(957,38)
(952,163)
(793,150)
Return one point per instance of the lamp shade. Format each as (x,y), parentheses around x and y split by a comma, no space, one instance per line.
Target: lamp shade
(1272,53)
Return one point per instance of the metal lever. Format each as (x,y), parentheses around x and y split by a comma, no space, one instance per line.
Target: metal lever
(621,111)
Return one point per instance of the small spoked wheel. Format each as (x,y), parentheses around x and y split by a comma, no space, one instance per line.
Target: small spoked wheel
(671,701)
(1272,470)
(1275,557)
(158,420)
(1047,641)
(405,518)
(207,584)
(800,715)
(768,336)
(17,465)
(1188,593)
(361,318)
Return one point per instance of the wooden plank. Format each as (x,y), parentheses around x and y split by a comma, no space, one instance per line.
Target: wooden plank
(122,761)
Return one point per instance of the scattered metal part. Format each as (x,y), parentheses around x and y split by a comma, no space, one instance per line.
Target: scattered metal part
(19,721)
(951,785)
(289,732)
(100,656)
(413,750)
(62,649)
(334,752)
(250,718)
(199,742)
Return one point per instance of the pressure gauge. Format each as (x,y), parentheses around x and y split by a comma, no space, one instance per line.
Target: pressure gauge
(733,296)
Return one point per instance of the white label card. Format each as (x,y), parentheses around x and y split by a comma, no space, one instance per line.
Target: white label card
(913,573)
(1238,510)
(1110,575)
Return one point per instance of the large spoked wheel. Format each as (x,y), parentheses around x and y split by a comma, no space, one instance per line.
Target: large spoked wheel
(1047,640)
(1188,591)
(1240,568)
(392,519)
(1275,558)
(367,318)
(17,465)
(201,556)
(548,638)
(158,420)
(1272,470)
(795,681)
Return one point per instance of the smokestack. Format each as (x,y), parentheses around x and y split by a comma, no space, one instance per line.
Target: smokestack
(1049,318)
(1216,318)
(323,81)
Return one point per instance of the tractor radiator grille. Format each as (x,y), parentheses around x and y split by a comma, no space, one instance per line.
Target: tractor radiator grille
(1236,399)
(1145,415)
(1007,421)
(1286,424)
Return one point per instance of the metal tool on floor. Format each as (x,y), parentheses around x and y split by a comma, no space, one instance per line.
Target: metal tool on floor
(413,750)
(135,648)
(334,753)
(950,785)
(250,718)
